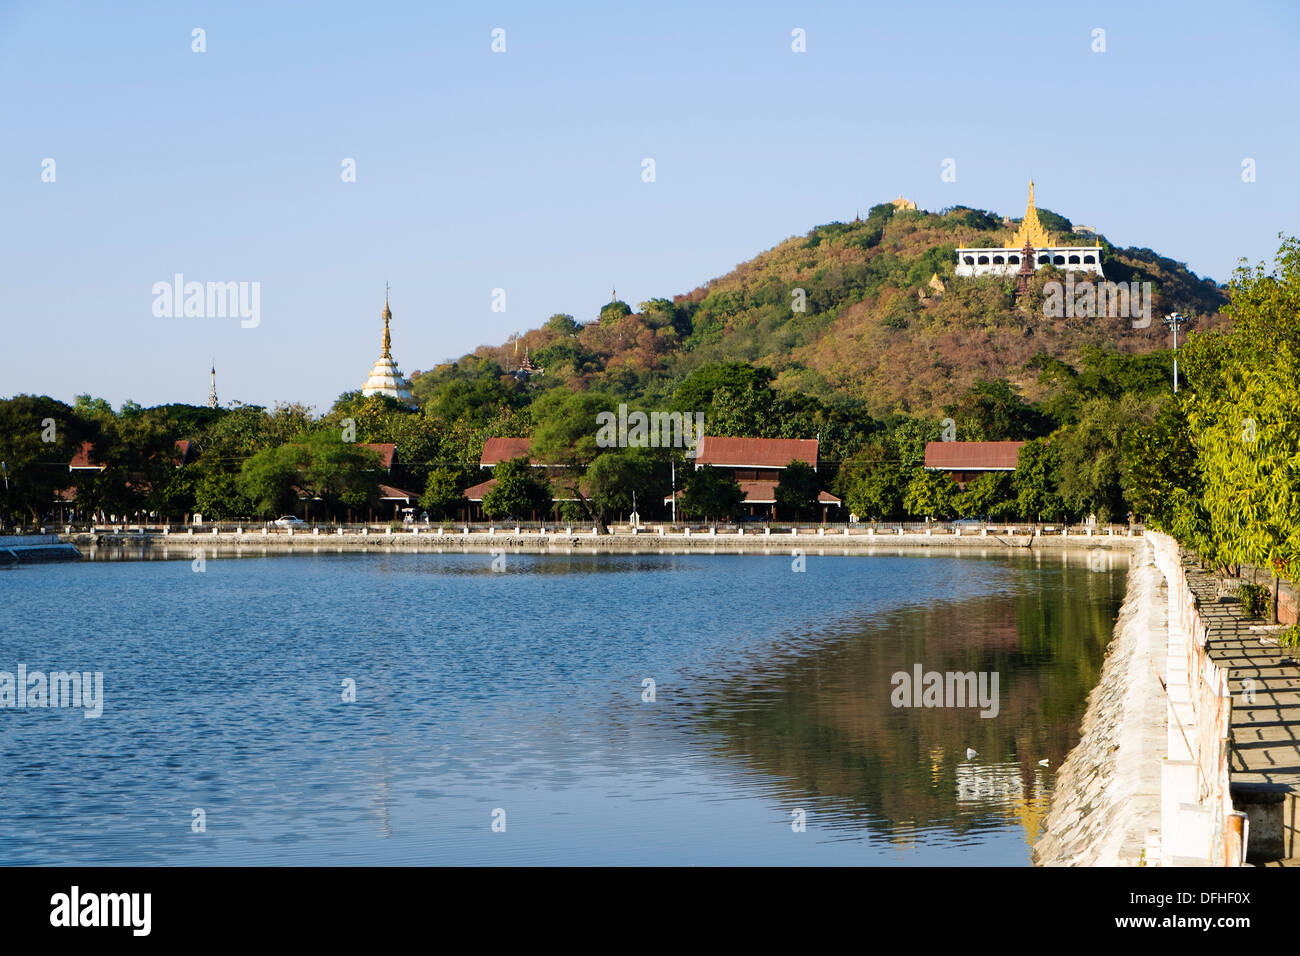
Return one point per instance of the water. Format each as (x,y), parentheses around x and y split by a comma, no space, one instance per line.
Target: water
(521,691)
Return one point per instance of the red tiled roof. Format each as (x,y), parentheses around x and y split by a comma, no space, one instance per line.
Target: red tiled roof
(972,455)
(763,492)
(755,452)
(82,458)
(476,492)
(389,492)
(497,450)
(384,450)
(759,492)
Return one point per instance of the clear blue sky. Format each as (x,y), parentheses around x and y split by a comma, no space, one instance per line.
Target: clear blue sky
(522,170)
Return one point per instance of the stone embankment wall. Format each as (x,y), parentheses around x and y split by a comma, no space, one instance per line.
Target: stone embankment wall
(832,541)
(1148,783)
(35,549)
(1106,807)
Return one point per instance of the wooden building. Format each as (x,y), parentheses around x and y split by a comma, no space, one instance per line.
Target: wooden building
(756,465)
(963,460)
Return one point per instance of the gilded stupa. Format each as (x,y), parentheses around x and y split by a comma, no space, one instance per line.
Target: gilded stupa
(1031,246)
(386,378)
(1031,231)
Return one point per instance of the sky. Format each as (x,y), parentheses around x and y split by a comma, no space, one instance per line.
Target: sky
(524,170)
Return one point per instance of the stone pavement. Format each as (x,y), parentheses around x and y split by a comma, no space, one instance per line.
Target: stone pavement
(1264,679)
(1265,684)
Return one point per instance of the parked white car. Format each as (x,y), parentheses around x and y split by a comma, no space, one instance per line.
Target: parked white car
(290,521)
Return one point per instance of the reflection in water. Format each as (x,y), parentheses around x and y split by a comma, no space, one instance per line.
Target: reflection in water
(823,721)
(523,690)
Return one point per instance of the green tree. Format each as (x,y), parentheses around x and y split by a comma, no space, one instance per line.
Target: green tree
(796,492)
(993,411)
(518,493)
(696,393)
(1244,419)
(267,481)
(565,438)
(1036,480)
(38,438)
(218,493)
(989,494)
(443,492)
(138,452)
(877,494)
(712,493)
(614,311)
(930,494)
(613,477)
(1092,461)
(562,323)
(341,475)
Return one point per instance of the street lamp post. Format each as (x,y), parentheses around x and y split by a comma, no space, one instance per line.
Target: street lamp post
(672,463)
(1173,320)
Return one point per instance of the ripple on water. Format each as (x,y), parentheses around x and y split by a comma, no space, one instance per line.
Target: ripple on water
(523,692)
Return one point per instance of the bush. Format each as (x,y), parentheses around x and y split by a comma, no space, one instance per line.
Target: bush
(1290,637)
(1254,599)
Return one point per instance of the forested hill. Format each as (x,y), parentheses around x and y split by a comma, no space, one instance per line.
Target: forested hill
(875,331)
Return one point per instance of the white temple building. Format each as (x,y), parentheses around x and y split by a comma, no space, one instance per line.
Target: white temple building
(1033,241)
(386,378)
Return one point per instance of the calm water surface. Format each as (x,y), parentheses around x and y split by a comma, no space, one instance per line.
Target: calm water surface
(521,691)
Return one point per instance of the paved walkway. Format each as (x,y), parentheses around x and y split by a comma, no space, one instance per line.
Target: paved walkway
(1266,730)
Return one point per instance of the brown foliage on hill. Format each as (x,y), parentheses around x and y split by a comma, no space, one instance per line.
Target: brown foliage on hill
(847,311)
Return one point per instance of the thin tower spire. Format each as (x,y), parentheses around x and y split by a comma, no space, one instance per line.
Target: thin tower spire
(387,343)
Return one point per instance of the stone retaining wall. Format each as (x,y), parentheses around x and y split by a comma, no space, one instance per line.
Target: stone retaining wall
(1106,806)
(648,542)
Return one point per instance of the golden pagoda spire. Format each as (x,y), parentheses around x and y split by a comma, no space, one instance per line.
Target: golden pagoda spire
(1031,231)
(388,315)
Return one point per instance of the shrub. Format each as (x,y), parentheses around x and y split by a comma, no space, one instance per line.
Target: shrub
(1254,599)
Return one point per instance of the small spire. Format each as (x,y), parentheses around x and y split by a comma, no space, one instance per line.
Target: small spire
(613,294)
(388,315)
(212,388)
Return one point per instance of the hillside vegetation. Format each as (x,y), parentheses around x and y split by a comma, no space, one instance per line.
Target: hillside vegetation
(866,337)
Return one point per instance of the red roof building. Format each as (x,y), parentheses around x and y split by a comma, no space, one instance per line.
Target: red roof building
(755,454)
(963,460)
(385,451)
(81,460)
(497,450)
(757,463)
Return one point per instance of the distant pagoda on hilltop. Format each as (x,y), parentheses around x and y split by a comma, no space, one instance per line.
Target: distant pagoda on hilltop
(385,377)
(1031,245)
